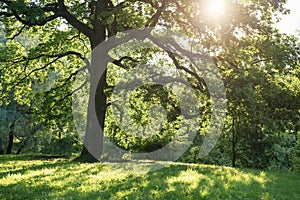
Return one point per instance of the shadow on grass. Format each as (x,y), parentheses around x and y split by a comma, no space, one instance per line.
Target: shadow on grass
(29,157)
(202,182)
(68,179)
(21,164)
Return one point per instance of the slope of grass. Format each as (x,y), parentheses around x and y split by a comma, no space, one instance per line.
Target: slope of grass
(27,177)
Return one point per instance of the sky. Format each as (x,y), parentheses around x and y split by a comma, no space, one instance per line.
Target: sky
(290,23)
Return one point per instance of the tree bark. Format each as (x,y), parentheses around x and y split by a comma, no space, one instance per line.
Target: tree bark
(233,143)
(35,129)
(21,147)
(93,142)
(10,138)
(1,147)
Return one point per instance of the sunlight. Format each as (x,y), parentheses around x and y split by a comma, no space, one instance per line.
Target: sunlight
(216,7)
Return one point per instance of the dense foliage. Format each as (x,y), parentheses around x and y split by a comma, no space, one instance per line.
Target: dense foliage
(44,43)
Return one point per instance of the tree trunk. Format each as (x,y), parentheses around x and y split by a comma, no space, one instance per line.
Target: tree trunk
(1,147)
(35,129)
(233,140)
(21,147)
(10,138)
(93,141)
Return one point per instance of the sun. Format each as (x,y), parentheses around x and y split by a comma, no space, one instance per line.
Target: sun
(216,7)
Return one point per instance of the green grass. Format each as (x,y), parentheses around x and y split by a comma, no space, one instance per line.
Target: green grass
(27,177)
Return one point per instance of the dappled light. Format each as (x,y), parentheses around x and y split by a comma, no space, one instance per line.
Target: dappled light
(52,178)
(149,99)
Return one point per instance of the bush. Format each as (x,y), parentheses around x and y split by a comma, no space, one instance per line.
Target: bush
(281,152)
(66,145)
(296,155)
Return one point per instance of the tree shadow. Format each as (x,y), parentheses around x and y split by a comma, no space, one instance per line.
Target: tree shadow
(69,179)
(194,182)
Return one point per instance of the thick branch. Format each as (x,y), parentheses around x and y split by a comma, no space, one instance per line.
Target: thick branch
(83,28)
(59,9)
(180,67)
(154,19)
(6,14)
(119,62)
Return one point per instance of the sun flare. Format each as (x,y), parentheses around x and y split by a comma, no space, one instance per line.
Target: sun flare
(216,7)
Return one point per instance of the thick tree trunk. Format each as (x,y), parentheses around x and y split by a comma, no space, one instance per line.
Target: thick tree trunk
(10,138)
(93,142)
(100,106)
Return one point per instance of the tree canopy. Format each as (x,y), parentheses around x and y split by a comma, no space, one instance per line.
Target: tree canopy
(45,44)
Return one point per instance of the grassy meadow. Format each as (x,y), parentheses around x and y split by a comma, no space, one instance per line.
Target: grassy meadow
(32,177)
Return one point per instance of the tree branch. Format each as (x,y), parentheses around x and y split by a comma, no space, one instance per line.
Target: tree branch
(6,14)
(16,11)
(81,27)
(154,19)
(68,79)
(66,96)
(49,56)
(18,33)
(180,67)
(119,62)
(57,57)
(59,9)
